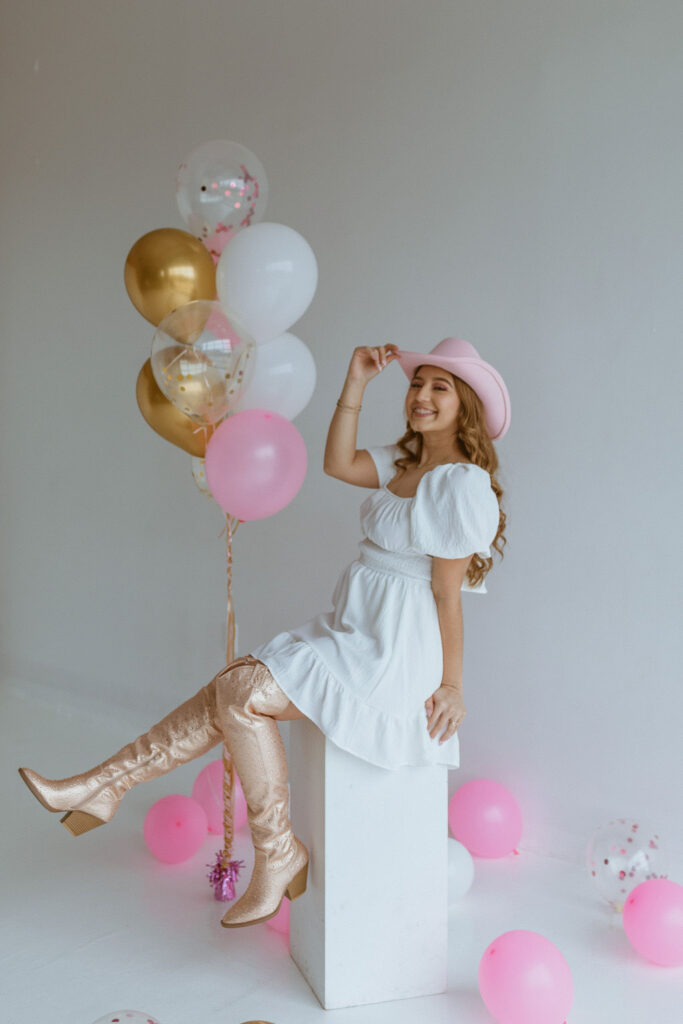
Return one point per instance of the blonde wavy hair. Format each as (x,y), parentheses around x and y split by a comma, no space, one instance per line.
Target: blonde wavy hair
(471,432)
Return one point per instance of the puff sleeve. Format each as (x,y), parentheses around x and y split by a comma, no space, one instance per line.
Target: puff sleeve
(455,512)
(383,456)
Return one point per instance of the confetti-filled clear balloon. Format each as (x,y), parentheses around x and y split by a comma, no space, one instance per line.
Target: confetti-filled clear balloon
(199,476)
(622,854)
(202,360)
(127,1017)
(221,187)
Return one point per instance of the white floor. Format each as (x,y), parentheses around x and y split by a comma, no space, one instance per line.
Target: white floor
(96,924)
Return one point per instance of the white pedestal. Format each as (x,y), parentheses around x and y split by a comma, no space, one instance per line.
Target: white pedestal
(372,924)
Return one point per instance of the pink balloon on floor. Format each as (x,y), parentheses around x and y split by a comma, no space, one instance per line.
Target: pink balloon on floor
(524,979)
(653,921)
(485,817)
(208,791)
(175,828)
(280,923)
(255,463)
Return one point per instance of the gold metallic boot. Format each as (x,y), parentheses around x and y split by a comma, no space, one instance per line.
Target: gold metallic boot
(91,799)
(246,698)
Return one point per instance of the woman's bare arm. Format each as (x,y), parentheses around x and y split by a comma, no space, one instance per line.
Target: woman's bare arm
(448,575)
(340,448)
(449,610)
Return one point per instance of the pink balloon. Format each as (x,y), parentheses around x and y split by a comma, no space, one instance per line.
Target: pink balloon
(255,463)
(653,921)
(485,817)
(208,791)
(524,979)
(175,828)
(280,923)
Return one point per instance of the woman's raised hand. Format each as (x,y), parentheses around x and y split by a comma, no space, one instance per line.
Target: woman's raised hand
(367,362)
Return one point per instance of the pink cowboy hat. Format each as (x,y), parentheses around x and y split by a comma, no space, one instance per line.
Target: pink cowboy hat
(462,359)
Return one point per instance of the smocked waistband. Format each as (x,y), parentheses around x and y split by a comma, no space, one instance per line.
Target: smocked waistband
(398,563)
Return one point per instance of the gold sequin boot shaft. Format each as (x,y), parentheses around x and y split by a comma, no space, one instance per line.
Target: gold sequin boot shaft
(248,698)
(92,798)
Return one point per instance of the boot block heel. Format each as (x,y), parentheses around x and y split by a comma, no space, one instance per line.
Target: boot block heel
(297,886)
(78,822)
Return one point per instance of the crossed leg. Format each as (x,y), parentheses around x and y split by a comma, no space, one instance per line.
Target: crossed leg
(290,713)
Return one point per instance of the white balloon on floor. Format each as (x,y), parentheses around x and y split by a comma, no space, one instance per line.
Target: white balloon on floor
(126,1017)
(267,276)
(283,377)
(460,870)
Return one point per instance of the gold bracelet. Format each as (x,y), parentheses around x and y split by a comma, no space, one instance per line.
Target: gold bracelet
(352,408)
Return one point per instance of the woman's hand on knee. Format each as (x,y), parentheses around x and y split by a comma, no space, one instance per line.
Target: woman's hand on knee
(445,712)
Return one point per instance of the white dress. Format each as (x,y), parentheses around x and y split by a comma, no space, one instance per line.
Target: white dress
(363,671)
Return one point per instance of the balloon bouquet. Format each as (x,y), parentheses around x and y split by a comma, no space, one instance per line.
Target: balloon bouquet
(225,378)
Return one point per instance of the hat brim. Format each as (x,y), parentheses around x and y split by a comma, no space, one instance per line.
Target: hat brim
(483,378)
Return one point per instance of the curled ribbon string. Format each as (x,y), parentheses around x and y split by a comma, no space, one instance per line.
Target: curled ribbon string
(205,431)
(230,530)
(225,871)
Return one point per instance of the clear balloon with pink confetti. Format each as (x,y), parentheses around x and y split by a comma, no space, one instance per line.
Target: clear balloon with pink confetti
(221,188)
(621,854)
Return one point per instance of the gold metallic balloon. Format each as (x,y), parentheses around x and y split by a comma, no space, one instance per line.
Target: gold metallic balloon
(165,269)
(169,422)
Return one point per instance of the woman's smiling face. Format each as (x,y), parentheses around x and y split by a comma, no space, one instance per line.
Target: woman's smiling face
(433,390)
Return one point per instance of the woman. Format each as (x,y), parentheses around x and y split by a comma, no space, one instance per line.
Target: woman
(386,657)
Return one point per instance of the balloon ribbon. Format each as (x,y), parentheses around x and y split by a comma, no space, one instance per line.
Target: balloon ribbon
(225,871)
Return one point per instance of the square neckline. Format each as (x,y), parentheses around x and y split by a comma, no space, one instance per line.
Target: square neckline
(411,497)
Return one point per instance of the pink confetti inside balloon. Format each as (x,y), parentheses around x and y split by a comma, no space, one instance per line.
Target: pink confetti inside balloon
(485,817)
(208,791)
(221,188)
(280,923)
(620,855)
(126,1017)
(653,921)
(524,979)
(175,828)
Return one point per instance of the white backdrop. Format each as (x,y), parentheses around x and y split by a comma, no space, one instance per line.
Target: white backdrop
(508,173)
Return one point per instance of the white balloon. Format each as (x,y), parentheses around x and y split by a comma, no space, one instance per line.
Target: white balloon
(126,1017)
(460,870)
(283,377)
(267,276)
